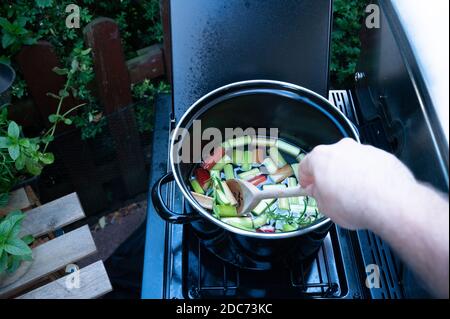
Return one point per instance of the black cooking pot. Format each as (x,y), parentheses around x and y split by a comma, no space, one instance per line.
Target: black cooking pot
(7,76)
(302,117)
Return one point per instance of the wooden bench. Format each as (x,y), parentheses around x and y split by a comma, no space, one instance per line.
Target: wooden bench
(23,198)
(55,254)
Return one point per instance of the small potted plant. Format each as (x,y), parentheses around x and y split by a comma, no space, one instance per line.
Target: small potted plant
(15,252)
(20,157)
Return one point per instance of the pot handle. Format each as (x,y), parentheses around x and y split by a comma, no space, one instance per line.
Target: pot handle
(161,208)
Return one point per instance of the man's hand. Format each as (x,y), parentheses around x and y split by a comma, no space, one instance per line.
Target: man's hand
(359,186)
(351,181)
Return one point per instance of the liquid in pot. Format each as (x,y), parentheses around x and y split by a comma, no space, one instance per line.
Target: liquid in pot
(264,162)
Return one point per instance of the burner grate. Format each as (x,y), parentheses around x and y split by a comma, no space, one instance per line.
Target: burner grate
(324,286)
(209,277)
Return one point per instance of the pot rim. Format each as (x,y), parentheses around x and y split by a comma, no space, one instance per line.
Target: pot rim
(11,78)
(203,211)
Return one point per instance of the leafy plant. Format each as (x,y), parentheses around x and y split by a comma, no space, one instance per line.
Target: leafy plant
(20,155)
(139,23)
(345,47)
(13,248)
(146,92)
(14,34)
(60,117)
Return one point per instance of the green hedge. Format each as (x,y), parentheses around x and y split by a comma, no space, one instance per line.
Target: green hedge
(348,16)
(23,22)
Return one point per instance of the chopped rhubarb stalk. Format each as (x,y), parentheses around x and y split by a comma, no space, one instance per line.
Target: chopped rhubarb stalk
(257,180)
(229,194)
(228,169)
(225,211)
(214,158)
(202,176)
(196,186)
(270,166)
(282,173)
(259,155)
(276,157)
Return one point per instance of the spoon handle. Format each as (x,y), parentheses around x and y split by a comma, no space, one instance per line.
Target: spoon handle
(281,192)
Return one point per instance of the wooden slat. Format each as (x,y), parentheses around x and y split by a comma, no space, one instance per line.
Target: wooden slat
(18,199)
(34,200)
(51,216)
(52,256)
(94,282)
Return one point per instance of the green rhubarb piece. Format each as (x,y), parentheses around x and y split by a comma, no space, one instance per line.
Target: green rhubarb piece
(196,186)
(287,148)
(240,141)
(247,161)
(225,210)
(300,157)
(292,182)
(262,141)
(259,221)
(295,169)
(228,193)
(276,157)
(245,223)
(220,164)
(237,157)
(263,206)
(222,198)
(229,171)
(290,227)
(270,165)
(283,203)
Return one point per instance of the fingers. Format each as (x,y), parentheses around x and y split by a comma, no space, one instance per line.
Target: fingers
(308,165)
(318,160)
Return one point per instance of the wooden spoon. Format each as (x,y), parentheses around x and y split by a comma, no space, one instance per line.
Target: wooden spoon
(248,195)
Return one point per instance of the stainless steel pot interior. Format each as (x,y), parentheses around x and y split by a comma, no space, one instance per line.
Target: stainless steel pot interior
(302,117)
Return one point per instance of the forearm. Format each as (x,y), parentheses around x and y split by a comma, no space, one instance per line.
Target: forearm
(415,224)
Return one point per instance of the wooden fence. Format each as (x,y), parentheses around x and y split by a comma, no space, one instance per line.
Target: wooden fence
(113,78)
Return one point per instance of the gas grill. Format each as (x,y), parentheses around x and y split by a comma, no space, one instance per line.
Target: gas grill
(215,43)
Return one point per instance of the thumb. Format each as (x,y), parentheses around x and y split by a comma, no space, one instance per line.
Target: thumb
(305,173)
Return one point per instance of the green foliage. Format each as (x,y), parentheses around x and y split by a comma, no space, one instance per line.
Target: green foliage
(146,91)
(13,249)
(14,34)
(345,48)
(18,155)
(139,23)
